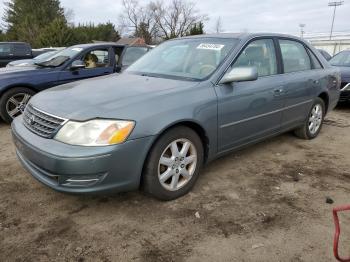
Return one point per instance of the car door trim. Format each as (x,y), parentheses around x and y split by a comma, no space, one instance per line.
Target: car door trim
(265,114)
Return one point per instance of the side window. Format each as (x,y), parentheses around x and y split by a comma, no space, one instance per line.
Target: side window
(261,54)
(21,50)
(97,58)
(132,54)
(315,62)
(294,56)
(5,49)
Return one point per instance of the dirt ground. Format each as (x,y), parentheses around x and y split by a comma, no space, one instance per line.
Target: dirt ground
(265,203)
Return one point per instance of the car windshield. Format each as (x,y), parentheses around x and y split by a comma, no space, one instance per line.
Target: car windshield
(188,59)
(45,56)
(61,57)
(341,59)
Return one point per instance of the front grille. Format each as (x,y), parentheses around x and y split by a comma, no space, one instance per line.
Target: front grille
(41,123)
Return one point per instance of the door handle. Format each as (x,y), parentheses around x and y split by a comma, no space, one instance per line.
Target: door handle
(277,91)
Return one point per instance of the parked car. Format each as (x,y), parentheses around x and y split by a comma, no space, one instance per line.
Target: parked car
(11,51)
(180,106)
(30,62)
(342,61)
(325,54)
(18,84)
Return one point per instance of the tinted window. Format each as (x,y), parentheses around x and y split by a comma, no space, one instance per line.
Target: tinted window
(341,59)
(21,50)
(191,59)
(261,54)
(132,54)
(294,55)
(315,62)
(5,49)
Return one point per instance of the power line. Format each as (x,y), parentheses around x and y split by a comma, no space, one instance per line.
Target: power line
(335,5)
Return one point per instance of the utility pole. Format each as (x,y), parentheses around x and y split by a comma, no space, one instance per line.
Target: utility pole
(335,5)
(302,26)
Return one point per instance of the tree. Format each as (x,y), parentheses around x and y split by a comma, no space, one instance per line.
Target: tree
(57,33)
(196,29)
(89,32)
(158,20)
(140,19)
(177,18)
(25,19)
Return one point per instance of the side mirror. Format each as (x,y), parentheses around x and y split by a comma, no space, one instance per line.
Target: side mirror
(77,64)
(240,74)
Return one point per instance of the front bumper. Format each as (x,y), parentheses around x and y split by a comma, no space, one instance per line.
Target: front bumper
(78,169)
(345,92)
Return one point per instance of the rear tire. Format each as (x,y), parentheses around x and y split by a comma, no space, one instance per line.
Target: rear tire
(313,123)
(173,164)
(13,102)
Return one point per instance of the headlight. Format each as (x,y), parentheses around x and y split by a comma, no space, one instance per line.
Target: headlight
(95,132)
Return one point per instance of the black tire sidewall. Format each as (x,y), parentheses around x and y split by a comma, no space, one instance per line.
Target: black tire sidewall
(151,183)
(6,96)
(307,131)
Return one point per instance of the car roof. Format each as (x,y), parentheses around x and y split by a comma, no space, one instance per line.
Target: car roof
(242,35)
(105,44)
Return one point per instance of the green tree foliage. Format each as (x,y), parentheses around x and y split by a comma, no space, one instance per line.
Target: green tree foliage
(57,33)
(89,32)
(26,19)
(42,23)
(196,29)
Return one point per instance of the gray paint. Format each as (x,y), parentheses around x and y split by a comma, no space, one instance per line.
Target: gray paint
(232,115)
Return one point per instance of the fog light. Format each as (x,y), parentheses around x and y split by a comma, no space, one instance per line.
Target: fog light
(82,181)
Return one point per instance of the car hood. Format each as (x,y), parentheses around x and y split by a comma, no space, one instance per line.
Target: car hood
(17,71)
(123,96)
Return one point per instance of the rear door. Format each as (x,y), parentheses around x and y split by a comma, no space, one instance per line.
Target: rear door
(248,111)
(98,62)
(300,81)
(5,54)
(21,51)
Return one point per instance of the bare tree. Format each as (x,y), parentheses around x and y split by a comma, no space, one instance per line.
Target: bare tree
(159,20)
(175,19)
(139,18)
(218,25)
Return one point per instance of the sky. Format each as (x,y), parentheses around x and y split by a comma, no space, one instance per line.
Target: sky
(283,16)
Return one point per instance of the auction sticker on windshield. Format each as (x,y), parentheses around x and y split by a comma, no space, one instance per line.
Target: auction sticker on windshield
(216,47)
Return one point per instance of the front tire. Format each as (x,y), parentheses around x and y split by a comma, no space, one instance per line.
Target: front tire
(13,102)
(173,164)
(314,121)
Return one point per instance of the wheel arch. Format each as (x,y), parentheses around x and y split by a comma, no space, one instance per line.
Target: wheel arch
(325,97)
(195,126)
(7,88)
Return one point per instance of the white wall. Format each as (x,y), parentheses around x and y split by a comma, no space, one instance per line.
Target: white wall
(331,46)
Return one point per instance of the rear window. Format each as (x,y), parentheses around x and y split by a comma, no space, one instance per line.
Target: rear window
(21,50)
(5,49)
(294,55)
(132,54)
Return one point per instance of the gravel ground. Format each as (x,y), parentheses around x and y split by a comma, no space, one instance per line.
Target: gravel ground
(264,203)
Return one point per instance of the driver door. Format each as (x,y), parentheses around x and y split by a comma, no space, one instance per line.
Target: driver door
(97,61)
(251,110)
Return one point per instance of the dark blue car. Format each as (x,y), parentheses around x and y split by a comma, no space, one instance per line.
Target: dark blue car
(342,61)
(18,84)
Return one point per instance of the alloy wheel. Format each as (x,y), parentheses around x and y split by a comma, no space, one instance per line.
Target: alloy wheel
(16,104)
(315,119)
(177,164)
